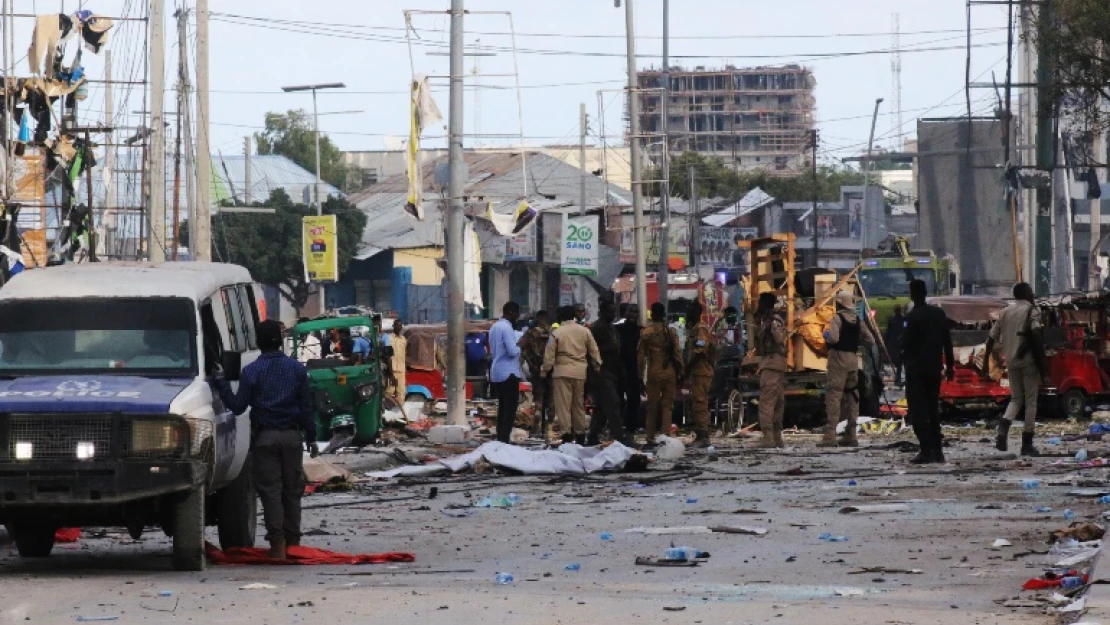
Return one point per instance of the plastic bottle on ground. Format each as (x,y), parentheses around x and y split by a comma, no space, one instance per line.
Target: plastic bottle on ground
(503,579)
(1030,484)
(1071,582)
(606,536)
(1081,455)
(573,567)
(683,553)
(1068,515)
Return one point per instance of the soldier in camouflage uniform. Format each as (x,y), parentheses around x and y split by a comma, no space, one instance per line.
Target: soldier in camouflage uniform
(701,358)
(659,356)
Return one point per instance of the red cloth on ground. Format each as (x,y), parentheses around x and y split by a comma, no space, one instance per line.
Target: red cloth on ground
(67,535)
(301,555)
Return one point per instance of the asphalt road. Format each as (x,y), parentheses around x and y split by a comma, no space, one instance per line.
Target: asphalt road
(956,511)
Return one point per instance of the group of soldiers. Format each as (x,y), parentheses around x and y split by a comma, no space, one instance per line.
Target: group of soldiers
(616,362)
(845,336)
(924,347)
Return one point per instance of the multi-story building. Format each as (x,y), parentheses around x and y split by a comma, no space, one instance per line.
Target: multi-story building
(752,118)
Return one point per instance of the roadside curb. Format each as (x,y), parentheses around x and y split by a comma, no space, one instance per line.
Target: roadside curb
(1098,592)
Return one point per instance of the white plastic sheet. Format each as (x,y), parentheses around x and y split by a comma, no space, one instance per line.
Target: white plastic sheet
(569,459)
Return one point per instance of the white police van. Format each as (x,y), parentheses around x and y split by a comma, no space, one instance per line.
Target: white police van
(106,417)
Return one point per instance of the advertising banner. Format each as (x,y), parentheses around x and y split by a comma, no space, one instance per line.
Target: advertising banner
(580,244)
(321,260)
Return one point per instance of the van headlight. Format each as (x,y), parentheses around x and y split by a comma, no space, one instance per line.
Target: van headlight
(24,451)
(149,435)
(200,431)
(366,391)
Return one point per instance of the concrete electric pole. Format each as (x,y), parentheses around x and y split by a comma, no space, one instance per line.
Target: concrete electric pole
(201,241)
(456,228)
(867,175)
(664,273)
(637,177)
(156,247)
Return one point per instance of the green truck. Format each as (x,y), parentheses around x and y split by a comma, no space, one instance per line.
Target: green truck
(885,276)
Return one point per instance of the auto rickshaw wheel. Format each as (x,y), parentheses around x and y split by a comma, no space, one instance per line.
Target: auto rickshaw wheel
(1074,403)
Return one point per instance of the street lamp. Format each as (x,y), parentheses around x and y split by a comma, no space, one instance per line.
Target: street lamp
(316,131)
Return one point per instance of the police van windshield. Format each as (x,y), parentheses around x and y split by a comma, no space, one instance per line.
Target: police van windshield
(100,336)
(894,282)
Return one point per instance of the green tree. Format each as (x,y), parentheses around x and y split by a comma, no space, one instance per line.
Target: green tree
(269,245)
(715,179)
(1074,38)
(291,135)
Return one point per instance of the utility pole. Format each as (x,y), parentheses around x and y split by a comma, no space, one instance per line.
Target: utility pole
(663,281)
(247,173)
(182,102)
(1094,281)
(190,169)
(582,123)
(637,177)
(456,228)
(320,293)
(109,175)
(816,222)
(692,216)
(867,176)
(157,235)
(201,244)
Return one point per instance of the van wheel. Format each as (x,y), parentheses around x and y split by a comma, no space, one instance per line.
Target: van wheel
(32,541)
(1074,403)
(237,513)
(188,531)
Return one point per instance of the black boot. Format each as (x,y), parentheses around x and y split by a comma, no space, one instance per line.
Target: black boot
(1001,438)
(938,456)
(580,439)
(568,438)
(925,456)
(593,440)
(1027,448)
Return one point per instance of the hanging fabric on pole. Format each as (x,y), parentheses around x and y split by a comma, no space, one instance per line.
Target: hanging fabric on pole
(423,112)
(472,280)
(510,225)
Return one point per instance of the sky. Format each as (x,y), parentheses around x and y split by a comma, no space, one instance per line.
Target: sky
(566,52)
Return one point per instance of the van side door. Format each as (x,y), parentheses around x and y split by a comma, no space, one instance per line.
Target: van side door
(238,316)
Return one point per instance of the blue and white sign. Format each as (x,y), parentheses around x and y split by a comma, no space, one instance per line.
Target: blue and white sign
(581,238)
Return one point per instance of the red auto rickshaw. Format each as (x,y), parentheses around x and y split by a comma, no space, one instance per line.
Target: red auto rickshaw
(1077,345)
(971,318)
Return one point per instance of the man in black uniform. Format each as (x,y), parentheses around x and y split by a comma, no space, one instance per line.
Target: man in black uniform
(607,382)
(925,336)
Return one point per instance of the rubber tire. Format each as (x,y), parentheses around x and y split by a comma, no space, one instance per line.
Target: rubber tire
(32,541)
(1074,403)
(237,510)
(188,531)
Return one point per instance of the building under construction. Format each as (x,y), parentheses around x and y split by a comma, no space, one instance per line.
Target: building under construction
(752,118)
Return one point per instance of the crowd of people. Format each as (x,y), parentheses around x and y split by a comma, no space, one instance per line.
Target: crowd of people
(612,361)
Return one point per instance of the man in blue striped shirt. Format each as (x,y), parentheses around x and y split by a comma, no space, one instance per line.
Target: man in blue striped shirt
(505,372)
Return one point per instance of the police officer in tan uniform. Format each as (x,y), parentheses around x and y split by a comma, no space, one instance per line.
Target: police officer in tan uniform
(659,356)
(770,346)
(701,350)
(845,335)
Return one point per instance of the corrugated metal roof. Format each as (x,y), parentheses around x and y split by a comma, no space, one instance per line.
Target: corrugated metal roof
(498,177)
(268,172)
(493,177)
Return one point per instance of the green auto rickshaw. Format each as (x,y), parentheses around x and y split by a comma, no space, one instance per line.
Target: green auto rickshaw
(347,395)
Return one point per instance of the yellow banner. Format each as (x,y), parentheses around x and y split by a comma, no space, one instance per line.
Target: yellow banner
(321,258)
